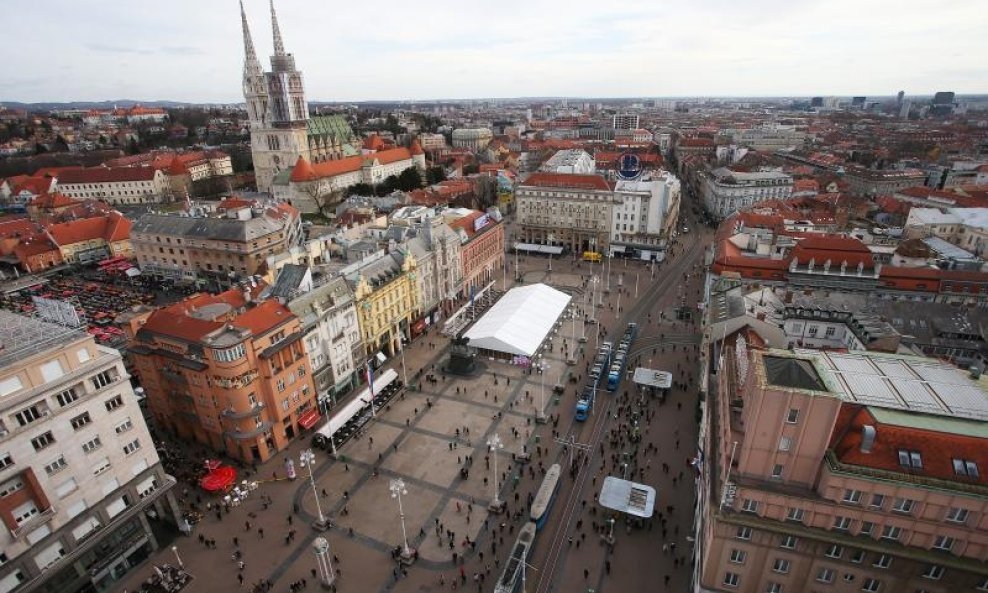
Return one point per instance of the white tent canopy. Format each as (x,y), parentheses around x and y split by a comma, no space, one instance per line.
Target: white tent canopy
(520,321)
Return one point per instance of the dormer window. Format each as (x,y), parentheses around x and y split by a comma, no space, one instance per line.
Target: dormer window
(964,467)
(910,459)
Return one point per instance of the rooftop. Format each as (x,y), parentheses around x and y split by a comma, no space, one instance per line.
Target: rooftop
(22,337)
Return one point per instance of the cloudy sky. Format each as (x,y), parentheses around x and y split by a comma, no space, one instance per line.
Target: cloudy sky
(191,50)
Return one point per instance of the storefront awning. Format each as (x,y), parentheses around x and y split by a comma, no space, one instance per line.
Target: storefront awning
(309,419)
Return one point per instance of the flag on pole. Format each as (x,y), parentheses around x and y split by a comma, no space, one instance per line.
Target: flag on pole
(472,292)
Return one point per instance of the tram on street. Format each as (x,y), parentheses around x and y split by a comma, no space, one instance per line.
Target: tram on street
(542,504)
(512,578)
(600,365)
(616,372)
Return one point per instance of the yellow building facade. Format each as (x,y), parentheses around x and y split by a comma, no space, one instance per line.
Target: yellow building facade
(388,302)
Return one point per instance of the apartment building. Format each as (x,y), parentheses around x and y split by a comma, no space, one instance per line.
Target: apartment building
(79,475)
(725,191)
(232,242)
(873,182)
(575,211)
(481,247)
(116,185)
(387,301)
(645,214)
(226,372)
(842,472)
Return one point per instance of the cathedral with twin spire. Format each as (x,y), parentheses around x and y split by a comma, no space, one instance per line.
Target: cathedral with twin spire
(281,129)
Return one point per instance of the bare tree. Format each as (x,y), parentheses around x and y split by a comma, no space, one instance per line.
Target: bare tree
(322,200)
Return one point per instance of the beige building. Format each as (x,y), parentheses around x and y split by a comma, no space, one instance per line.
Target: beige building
(472,138)
(79,474)
(386,292)
(115,185)
(843,472)
(233,242)
(573,211)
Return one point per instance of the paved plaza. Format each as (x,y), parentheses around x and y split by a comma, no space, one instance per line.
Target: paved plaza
(429,435)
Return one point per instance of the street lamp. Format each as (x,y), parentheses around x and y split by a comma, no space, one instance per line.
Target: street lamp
(397,487)
(494,444)
(307,458)
(178,558)
(543,366)
(324,567)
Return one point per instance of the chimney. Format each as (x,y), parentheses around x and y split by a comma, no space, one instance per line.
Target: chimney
(867,438)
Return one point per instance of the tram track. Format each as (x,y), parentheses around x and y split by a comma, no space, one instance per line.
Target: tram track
(555,558)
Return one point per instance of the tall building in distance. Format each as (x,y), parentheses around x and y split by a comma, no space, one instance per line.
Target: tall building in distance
(281,130)
(625,121)
(79,474)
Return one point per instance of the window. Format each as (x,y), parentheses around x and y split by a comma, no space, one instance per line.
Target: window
(731,579)
(903,505)
(81,420)
(877,501)
(113,403)
(101,466)
(831,330)
(852,496)
(793,416)
(749,505)
(957,515)
(301,372)
(964,467)
(795,514)
(123,426)
(883,561)
(943,543)
(52,370)
(24,512)
(56,466)
(28,415)
(777,471)
(933,571)
(230,354)
(6,460)
(788,542)
(11,486)
(67,397)
(834,551)
(773,588)
(867,527)
(781,565)
(132,446)
(785,443)
(848,577)
(891,532)
(281,385)
(43,440)
(101,380)
(910,459)
(826,575)
(842,523)
(744,533)
(91,445)
(857,556)
(871,585)
(738,556)
(66,487)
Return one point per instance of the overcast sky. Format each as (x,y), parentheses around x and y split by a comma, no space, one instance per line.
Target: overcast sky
(191,50)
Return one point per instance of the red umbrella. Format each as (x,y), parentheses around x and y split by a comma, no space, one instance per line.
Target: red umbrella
(219,479)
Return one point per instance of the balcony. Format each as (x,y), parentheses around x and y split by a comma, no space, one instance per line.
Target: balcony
(232,414)
(35,522)
(252,434)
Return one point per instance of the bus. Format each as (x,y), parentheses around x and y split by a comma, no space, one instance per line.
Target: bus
(546,495)
(592,256)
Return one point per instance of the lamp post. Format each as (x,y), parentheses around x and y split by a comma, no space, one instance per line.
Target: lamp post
(543,366)
(178,558)
(324,566)
(307,458)
(494,444)
(636,285)
(608,288)
(397,487)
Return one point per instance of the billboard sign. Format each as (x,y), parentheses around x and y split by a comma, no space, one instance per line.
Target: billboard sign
(480,222)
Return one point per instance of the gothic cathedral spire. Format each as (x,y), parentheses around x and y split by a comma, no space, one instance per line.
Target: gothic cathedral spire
(279,46)
(251,66)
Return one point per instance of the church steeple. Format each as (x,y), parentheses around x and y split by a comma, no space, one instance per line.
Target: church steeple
(251,66)
(279,46)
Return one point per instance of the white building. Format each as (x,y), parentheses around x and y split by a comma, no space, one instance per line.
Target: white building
(571,161)
(116,185)
(726,192)
(78,469)
(332,337)
(625,121)
(645,214)
(472,138)
(966,228)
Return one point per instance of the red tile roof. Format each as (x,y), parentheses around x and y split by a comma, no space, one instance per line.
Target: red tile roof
(51,201)
(111,227)
(564,180)
(16,227)
(306,171)
(33,185)
(264,317)
(106,175)
(938,449)
(835,248)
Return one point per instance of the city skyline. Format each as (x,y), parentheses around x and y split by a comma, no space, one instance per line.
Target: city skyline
(813,48)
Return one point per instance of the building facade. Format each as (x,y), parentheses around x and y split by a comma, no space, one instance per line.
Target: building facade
(726,192)
(872,182)
(571,161)
(223,245)
(575,211)
(645,213)
(472,138)
(387,301)
(842,472)
(332,338)
(436,248)
(624,121)
(481,249)
(225,372)
(116,185)
(78,469)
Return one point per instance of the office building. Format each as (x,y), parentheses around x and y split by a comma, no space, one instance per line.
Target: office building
(725,191)
(572,211)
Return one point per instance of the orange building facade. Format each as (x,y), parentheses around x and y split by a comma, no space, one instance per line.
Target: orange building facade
(227,373)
